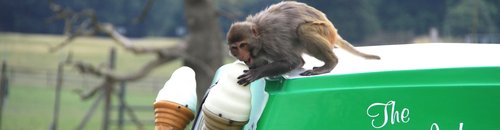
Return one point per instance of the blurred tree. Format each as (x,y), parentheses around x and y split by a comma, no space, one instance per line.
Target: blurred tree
(163,19)
(355,19)
(25,16)
(19,16)
(204,41)
(496,5)
(202,51)
(471,16)
(238,10)
(416,16)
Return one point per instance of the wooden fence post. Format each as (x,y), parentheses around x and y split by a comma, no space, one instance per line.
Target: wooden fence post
(90,112)
(59,82)
(108,91)
(121,107)
(4,88)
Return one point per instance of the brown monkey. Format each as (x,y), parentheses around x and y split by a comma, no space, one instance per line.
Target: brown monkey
(272,41)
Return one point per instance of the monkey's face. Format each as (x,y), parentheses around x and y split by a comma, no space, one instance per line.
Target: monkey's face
(240,39)
(241,51)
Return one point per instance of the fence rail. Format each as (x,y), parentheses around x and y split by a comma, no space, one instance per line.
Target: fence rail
(72,79)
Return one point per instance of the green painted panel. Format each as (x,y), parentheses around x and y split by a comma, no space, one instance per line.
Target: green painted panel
(435,99)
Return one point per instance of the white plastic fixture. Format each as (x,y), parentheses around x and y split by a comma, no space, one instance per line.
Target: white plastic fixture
(180,88)
(227,98)
(409,57)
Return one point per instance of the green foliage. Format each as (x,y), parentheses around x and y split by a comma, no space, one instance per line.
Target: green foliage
(471,16)
(353,25)
(415,16)
(164,18)
(356,19)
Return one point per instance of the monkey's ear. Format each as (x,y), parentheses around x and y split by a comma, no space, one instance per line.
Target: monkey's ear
(254,31)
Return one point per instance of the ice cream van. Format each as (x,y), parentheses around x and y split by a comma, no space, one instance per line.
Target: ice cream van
(428,86)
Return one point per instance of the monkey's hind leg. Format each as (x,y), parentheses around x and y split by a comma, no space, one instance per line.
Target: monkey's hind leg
(313,36)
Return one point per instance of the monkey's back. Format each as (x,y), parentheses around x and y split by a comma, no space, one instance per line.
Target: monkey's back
(287,13)
(278,23)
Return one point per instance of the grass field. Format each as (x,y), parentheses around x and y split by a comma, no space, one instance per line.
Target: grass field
(30,108)
(31,51)
(29,105)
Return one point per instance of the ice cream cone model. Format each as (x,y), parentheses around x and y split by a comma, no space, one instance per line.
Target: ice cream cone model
(227,105)
(171,116)
(176,101)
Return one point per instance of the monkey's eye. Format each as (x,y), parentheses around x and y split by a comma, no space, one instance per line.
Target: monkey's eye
(243,45)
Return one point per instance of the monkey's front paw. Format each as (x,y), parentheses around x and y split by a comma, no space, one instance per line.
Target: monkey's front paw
(315,71)
(248,77)
(307,73)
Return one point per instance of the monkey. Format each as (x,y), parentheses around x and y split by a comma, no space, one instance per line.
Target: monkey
(272,41)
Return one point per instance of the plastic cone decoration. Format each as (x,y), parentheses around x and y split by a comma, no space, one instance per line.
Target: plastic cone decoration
(176,102)
(227,107)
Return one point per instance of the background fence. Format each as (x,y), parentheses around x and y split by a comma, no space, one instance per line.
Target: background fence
(28,77)
(43,77)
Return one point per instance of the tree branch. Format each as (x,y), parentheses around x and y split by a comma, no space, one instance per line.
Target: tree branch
(81,31)
(164,56)
(90,26)
(87,95)
(173,53)
(144,12)
(125,42)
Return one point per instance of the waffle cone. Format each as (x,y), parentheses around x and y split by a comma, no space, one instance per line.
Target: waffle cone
(171,115)
(213,121)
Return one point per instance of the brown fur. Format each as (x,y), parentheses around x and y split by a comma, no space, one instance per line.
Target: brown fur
(272,41)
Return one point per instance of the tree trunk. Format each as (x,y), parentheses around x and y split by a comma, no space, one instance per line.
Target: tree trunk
(204,40)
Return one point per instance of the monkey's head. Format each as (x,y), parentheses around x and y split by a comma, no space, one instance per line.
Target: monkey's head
(243,42)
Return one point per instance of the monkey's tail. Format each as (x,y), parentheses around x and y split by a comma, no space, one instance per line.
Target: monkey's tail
(348,47)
